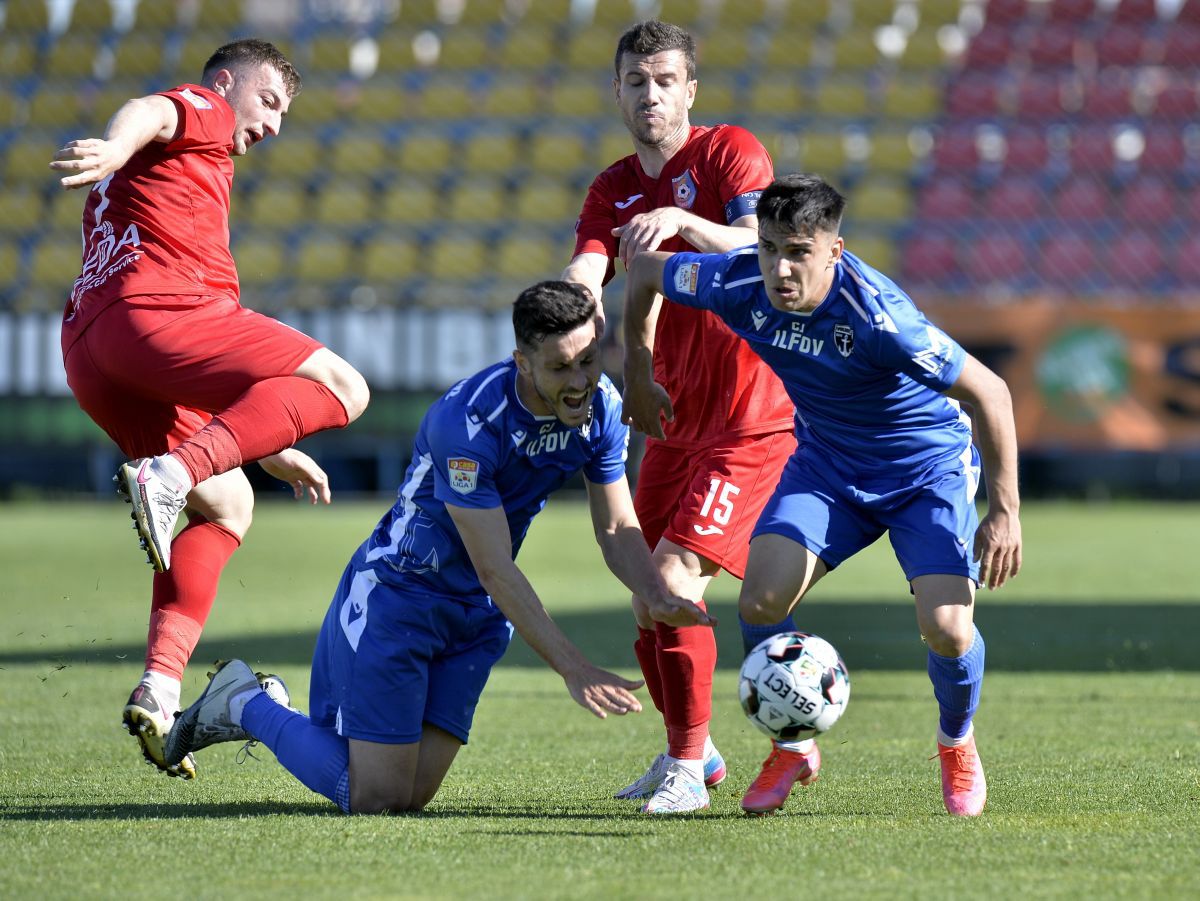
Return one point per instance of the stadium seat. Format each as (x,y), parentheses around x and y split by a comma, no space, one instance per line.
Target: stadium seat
(495,151)
(614,143)
(718,99)
(1147,201)
(1025,150)
(1181,47)
(891,152)
(1039,98)
(1081,199)
(1120,45)
(1136,261)
(198,46)
(1091,150)
(1176,101)
(592,48)
(72,57)
(55,263)
(277,205)
(56,107)
(802,16)
(17,57)
(10,264)
(911,98)
(841,96)
(475,199)
(1108,97)
(26,161)
(390,258)
(420,13)
(1071,12)
(296,154)
(854,51)
(777,97)
(344,201)
(464,47)
(1069,263)
(996,260)
(425,152)
(880,200)
(946,199)
(156,17)
(528,47)
(21,209)
(328,54)
(1015,200)
(486,12)
(1136,12)
(868,15)
(322,257)
(458,256)
(823,151)
(260,258)
(410,201)
(66,211)
(90,19)
(581,94)
(395,45)
(724,50)
(686,13)
(1164,152)
(527,256)
(511,95)
(1053,46)
(558,151)
(27,18)
(1005,12)
(788,50)
(973,95)
(446,96)
(547,201)
(990,49)
(923,51)
(1185,260)
(877,251)
(220,14)
(956,149)
(928,258)
(139,55)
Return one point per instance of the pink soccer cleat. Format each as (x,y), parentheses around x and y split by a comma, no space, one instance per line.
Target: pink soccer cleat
(780,771)
(964,789)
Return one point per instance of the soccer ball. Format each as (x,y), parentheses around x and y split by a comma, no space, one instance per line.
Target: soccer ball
(794,686)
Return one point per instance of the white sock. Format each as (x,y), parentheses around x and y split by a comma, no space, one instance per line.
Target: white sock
(238,702)
(800,747)
(166,689)
(944,739)
(694,768)
(709,747)
(171,471)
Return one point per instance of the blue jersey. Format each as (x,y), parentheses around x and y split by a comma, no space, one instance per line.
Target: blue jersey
(865,369)
(478,446)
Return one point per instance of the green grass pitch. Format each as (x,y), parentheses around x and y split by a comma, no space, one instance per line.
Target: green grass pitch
(1090,731)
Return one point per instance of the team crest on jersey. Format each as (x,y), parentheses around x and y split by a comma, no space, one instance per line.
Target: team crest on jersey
(843,338)
(195,99)
(686,277)
(464,474)
(684,190)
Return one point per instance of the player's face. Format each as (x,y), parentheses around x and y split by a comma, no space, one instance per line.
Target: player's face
(797,269)
(559,375)
(259,100)
(654,95)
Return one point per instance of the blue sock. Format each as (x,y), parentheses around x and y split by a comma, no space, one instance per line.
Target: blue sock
(318,757)
(956,683)
(754,633)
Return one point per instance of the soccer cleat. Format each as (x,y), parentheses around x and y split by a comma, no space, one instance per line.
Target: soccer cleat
(646,784)
(964,788)
(149,723)
(678,793)
(780,771)
(209,720)
(157,501)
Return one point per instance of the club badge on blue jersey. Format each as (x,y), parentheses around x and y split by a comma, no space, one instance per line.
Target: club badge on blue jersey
(684,190)
(843,338)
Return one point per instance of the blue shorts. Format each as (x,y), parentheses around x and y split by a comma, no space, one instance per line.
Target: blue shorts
(930,517)
(389,660)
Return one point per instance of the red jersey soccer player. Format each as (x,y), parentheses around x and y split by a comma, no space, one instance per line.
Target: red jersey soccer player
(708,473)
(161,355)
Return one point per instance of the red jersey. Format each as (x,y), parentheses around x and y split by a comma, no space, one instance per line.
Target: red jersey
(160,224)
(719,388)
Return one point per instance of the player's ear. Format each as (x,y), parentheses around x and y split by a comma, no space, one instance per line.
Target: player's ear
(222,81)
(691,92)
(835,251)
(522,361)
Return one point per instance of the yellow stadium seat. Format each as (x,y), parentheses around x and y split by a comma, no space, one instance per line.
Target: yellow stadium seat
(716,98)
(21,208)
(357,152)
(329,54)
(558,152)
(823,152)
(855,51)
(613,144)
(447,98)
(419,13)
(427,153)
(939,12)
(880,200)
(784,146)
(10,263)
(464,48)
(380,101)
(10,107)
(875,250)
(323,257)
(689,14)
(260,259)
(740,13)
(802,14)
(72,56)
(782,96)
(277,205)
(319,104)
(923,52)
(222,14)
(614,14)
(152,16)
(726,48)
(25,16)
(458,256)
(529,46)
(391,258)
(475,199)
(411,201)
(788,49)
(511,95)
(28,160)
(891,152)
(198,46)
(588,94)
(495,152)
(90,18)
(139,55)
(17,56)
(527,257)
(344,201)
(396,50)
(547,200)
(485,12)
(912,98)
(593,48)
(547,12)
(295,153)
(56,107)
(838,96)
(56,263)
(872,13)
(66,210)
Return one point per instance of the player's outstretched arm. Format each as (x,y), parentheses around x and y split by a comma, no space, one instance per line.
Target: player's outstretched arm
(588,270)
(132,127)
(998,541)
(646,403)
(489,545)
(300,471)
(647,231)
(623,545)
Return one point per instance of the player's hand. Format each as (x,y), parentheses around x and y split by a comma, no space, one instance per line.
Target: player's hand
(998,548)
(677,611)
(646,231)
(88,161)
(300,471)
(602,692)
(646,406)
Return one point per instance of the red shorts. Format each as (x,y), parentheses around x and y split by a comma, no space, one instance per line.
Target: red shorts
(153,375)
(709,500)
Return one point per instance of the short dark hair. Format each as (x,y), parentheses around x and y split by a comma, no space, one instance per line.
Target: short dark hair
(653,36)
(550,308)
(802,204)
(254,52)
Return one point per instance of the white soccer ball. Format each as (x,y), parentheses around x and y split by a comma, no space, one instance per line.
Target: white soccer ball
(794,686)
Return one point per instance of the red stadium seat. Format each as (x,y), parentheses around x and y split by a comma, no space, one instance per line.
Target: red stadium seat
(1039,98)
(1164,153)
(1181,48)
(1026,150)
(1136,12)
(1073,12)
(1053,46)
(1176,101)
(1120,45)
(1189,209)
(1014,200)
(990,49)
(1147,201)
(1110,96)
(1092,150)
(1069,262)
(972,94)
(1081,199)
(1185,261)
(1189,13)
(1005,12)
(955,150)
(1134,260)
(997,258)
(929,259)
(946,200)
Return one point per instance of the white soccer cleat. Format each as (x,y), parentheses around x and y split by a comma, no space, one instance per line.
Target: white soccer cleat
(210,720)
(678,793)
(158,495)
(647,783)
(149,722)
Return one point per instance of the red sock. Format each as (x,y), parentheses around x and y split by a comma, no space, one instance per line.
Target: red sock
(184,594)
(687,658)
(646,650)
(274,414)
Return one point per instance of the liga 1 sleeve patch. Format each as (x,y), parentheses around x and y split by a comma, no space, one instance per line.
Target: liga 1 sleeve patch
(195,99)
(686,278)
(464,474)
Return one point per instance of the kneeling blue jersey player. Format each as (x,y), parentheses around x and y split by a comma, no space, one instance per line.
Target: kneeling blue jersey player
(883,447)
(428,603)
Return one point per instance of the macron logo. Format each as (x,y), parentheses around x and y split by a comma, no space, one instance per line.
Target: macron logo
(760,319)
(518,437)
(473,426)
(627,202)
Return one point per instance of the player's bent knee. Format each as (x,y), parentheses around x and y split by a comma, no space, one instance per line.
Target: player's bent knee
(763,610)
(953,642)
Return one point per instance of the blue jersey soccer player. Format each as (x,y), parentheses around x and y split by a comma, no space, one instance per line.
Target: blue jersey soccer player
(428,603)
(883,447)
